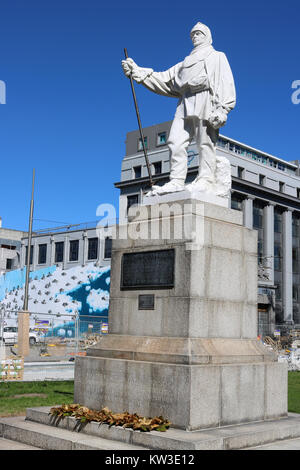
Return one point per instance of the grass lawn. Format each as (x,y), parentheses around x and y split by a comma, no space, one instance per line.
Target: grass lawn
(15,397)
(294,392)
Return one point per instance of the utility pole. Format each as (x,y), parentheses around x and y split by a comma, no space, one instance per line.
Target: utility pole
(25,305)
(23,316)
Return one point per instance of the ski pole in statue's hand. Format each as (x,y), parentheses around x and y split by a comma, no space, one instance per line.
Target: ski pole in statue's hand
(139,123)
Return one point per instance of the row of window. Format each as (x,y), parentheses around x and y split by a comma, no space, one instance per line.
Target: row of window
(156,170)
(226,144)
(8,247)
(92,254)
(161,139)
(262,180)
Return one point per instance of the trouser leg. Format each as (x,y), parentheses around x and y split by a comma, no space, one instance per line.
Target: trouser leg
(179,138)
(206,138)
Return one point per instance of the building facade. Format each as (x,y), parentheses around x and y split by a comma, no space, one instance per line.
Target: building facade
(264,187)
(66,247)
(69,281)
(10,248)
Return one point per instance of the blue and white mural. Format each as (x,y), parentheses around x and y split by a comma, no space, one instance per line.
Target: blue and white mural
(59,294)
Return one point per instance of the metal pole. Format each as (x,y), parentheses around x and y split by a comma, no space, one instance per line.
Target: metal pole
(25,305)
(76,333)
(139,123)
(1,325)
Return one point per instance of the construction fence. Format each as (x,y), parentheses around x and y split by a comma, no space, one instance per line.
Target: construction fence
(52,336)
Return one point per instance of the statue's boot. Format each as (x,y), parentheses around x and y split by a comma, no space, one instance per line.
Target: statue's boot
(200,184)
(172,186)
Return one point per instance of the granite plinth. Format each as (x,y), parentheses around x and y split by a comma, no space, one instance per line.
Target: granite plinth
(193,357)
(191,193)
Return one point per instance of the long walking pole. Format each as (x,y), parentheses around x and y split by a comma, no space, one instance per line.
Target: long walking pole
(139,123)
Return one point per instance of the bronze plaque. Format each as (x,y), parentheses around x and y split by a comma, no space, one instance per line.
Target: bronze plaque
(148,270)
(146,302)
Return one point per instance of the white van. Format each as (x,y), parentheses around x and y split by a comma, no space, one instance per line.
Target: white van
(10,336)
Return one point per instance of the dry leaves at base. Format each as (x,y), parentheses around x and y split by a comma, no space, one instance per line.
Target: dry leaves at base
(127,420)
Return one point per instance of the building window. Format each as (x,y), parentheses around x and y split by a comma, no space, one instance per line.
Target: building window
(107,248)
(59,252)
(137,171)
(92,248)
(296,317)
(260,251)
(236,202)
(295,226)
(42,254)
(140,145)
(258,214)
(281,187)
(222,143)
(162,138)
(74,250)
(298,193)
(157,168)
(9,263)
(132,201)
(295,293)
(31,254)
(278,292)
(277,257)
(277,221)
(262,180)
(240,172)
(295,260)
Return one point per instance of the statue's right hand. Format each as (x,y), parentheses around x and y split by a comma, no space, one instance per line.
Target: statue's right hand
(137,73)
(129,66)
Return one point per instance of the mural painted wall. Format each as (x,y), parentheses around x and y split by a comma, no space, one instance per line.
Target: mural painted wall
(57,295)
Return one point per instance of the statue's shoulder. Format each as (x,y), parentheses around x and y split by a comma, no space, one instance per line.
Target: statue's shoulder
(216,53)
(216,57)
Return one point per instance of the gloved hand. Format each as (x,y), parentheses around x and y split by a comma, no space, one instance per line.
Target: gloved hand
(130,67)
(218,118)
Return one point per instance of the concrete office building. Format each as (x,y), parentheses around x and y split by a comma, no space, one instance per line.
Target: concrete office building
(264,187)
(66,247)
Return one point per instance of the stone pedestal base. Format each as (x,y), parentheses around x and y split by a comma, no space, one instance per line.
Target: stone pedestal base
(192,356)
(196,383)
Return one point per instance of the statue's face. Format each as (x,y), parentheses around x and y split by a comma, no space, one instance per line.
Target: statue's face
(197,37)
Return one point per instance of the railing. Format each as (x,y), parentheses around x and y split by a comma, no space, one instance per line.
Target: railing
(75,227)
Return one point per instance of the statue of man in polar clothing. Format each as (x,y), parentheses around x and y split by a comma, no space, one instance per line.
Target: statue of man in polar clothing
(204,84)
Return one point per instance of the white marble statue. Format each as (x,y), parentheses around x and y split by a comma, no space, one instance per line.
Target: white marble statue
(204,84)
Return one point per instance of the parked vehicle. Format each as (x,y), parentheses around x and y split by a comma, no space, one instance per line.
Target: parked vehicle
(10,336)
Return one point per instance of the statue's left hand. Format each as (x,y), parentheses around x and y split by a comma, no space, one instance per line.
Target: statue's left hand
(217,119)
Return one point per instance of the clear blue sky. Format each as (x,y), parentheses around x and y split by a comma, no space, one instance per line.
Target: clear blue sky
(69,106)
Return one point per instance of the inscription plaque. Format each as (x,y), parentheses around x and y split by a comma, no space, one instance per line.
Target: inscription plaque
(148,270)
(146,302)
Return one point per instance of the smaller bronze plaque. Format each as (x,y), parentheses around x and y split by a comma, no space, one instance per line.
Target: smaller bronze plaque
(146,302)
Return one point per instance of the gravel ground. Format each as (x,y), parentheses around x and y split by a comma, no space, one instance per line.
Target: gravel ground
(40,353)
